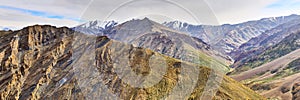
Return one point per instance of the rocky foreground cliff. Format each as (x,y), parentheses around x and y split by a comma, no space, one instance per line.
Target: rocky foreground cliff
(45,62)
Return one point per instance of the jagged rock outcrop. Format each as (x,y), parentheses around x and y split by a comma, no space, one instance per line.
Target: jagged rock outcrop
(27,58)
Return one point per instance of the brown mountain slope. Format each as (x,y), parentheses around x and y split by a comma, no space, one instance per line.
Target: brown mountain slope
(277,74)
(45,62)
(149,34)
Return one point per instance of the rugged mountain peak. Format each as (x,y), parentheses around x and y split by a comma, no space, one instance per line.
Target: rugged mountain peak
(146,19)
(139,23)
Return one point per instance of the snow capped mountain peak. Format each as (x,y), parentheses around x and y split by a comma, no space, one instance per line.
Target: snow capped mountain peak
(98,24)
(94,24)
(110,23)
(95,27)
(176,24)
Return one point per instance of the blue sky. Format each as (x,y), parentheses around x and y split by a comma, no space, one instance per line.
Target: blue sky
(32,12)
(73,12)
(285,4)
(282,7)
(40,13)
(19,14)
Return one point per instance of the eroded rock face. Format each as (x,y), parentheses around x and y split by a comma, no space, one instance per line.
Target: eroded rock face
(28,58)
(45,62)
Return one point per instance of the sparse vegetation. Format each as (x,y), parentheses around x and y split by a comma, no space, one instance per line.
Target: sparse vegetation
(294,65)
(286,46)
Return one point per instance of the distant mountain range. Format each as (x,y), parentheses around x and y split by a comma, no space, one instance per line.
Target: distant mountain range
(227,38)
(261,54)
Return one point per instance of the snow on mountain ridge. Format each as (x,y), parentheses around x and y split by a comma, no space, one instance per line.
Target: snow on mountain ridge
(176,25)
(98,24)
(95,27)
